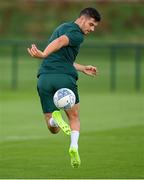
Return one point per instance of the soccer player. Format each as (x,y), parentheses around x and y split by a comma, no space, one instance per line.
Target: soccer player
(59,70)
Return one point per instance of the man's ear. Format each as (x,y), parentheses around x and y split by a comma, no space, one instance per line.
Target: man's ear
(83,18)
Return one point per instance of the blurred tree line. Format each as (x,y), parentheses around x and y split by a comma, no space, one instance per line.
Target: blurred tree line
(36,19)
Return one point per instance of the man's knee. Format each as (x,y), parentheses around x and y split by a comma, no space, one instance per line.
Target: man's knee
(73,113)
(48,116)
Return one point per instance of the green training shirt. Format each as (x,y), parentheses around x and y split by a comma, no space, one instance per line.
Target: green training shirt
(61,61)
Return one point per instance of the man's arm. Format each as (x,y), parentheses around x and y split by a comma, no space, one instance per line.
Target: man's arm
(88,70)
(52,47)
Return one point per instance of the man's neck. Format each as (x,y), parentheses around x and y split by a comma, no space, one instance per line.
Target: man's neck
(78,21)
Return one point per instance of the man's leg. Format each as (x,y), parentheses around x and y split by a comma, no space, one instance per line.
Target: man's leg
(73,116)
(51,124)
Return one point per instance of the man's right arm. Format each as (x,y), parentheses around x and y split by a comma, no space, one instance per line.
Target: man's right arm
(52,47)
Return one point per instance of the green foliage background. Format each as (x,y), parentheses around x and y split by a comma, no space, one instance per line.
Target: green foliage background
(121,20)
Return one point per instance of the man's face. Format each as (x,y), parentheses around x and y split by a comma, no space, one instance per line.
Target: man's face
(88,25)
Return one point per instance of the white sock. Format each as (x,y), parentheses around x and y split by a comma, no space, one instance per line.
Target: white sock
(74,139)
(53,123)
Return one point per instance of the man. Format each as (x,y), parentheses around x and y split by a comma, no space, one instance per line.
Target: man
(59,70)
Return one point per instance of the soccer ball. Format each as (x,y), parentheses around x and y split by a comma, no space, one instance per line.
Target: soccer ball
(64,98)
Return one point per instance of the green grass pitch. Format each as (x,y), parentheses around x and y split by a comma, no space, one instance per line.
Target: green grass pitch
(111,140)
(112,124)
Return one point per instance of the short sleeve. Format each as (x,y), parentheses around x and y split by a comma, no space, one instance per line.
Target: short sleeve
(75,37)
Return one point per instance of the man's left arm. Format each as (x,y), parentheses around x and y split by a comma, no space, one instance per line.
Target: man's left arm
(88,70)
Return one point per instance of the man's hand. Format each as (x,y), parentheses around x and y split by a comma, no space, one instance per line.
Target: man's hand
(90,70)
(35,52)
